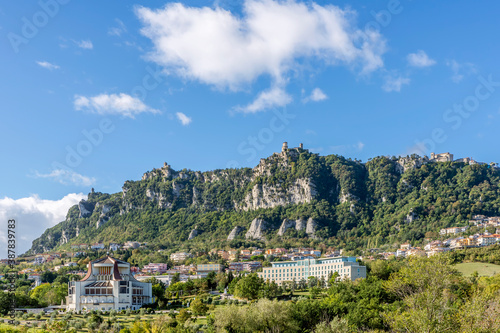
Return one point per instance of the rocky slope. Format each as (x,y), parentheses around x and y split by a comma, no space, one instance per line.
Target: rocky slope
(293,193)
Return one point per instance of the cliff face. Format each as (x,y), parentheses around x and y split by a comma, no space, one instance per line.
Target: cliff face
(257,229)
(317,196)
(269,196)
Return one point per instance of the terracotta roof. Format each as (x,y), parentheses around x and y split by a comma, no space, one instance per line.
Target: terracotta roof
(106,260)
(89,272)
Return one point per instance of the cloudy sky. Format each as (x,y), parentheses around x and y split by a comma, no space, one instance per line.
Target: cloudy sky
(94,93)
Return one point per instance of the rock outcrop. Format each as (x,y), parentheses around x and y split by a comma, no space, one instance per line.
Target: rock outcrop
(85,209)
(270,196)
(287,224)
(404,164)
(162,201)
(257,229)
(347,197)
(193,233)
(235,232)
(410,217)
(298,225)
(64,237)
(104,217)
(311,227)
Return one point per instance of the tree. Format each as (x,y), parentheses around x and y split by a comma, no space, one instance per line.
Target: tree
(5,302)
(248,287)
(262,316)
(48,276)
(428,288)
(336,325)
(198,307)
(183,316)
(176,278)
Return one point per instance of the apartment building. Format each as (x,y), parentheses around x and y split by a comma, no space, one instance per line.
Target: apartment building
(180,256)
(346,267)
(453,230)
(154,268)
(211,267)
(486,240)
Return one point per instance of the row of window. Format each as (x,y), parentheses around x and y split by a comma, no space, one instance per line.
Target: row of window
(312,269)
(98,291)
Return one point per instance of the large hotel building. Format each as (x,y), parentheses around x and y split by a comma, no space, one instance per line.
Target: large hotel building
(108,285)
(347,267)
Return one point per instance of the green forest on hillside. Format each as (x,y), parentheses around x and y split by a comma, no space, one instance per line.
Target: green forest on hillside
(356,205)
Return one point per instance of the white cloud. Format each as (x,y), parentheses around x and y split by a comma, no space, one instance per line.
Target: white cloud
(317,95)
(113,104)
(275,97)
(395,82)
(66,177)
(460,70)
(420,59)
(33,216)
(118,29)
(85,44)
(185,120)
(47,65)
(215,47)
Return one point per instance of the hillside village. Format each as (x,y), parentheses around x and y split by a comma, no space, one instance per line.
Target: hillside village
(182,265)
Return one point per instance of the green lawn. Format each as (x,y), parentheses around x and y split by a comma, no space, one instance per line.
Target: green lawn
(483,269)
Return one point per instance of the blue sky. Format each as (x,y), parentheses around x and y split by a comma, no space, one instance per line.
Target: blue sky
(97,92)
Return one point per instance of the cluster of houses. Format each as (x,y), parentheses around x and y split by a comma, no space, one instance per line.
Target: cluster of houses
(112,246)
(482,221)
(440,246)
(292,254)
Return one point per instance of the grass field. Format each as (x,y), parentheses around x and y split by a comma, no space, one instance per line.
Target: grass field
(483,269)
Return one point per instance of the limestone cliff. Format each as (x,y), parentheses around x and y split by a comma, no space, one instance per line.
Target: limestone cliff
(235,232)
(193,233)
(256,230)
(269,196)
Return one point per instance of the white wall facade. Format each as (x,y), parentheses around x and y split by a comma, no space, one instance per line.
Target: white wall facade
(108,285)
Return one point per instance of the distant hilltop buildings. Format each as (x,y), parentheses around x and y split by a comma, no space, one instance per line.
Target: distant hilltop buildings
(444,157)
(447,157)
(441,157)
(285,148)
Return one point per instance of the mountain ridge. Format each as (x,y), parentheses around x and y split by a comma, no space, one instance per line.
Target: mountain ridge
(380,201)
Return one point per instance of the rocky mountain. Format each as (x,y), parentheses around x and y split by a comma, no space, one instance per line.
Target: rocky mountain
(291,194)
